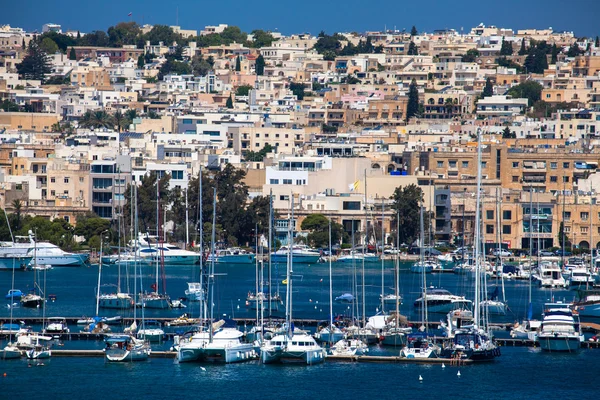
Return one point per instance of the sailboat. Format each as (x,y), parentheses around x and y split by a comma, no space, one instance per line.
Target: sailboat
(419,345)
(222,342)
(39,350)
(33,299)
(11,351)
(126,347)
(156,299)
(394,334)
(291,345)
(475,342)
(195,290)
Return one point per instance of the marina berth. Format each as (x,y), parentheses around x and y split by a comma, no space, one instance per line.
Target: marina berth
(560,329)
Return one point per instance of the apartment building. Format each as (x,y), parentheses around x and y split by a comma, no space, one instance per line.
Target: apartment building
(109,178)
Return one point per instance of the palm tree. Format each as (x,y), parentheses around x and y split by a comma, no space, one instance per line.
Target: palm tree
(17,205)
(97,119)
(121,121)
(131,114)
(449,105)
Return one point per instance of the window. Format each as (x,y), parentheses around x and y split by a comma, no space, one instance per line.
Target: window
(298,181)
(553,179)
(440,164)
(585,229)
(81,179)
(274,181)
(53,193)
(489,214)
(52,180)
(66,217)
(465,164)
(566,165)
(584,215)
(284,197)
(489,229)
(567,216)
(484,164)
(553,165)
(515,164)
(506,229)
(452,164)
(565,179)
(287,181)
(515,178)
(507,215)
(351,205)
(66,179)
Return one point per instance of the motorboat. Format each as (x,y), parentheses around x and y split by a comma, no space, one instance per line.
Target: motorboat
(579,277)
(155,300)
(427,266)
(441,301)
(56,326)
(23,249)
(221,343)
(149,250)
(356,257)
(302,254)
(124,348)
(345,298)
(9,329)
(151,330)
(391,299)
(232,255)
(194,292)
(349,347)
(366,334)
(560,329)
(14,294)
(10,352)
(527,330)
(268,300)
(33,345)
(550,275)
(329,334)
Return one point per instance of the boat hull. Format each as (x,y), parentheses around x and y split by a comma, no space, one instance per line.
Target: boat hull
(38,354)
(394,339)
(157,303)
(236,259)
(298,258)
(14,262)
(72,260)
(308,357)
(175,260)
(115,302)
(10,354)
(559,343)
(589,310)
(127,355)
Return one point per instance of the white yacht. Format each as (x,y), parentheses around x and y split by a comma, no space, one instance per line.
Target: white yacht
(298,347)
(223,345)
(115,300)
(560,329)
(149,250)
(358,257)
(349,347)
(232,255)
(550,275)
(302,254)
(123,348)
(194,292)
(579,277)
(441,301)
(23,249)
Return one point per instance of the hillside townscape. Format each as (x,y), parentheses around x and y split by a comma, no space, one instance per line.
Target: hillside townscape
(352,126)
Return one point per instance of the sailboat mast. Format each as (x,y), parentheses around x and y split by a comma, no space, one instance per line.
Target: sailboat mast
(187,218)
(382,261)
(256,296)
(157,230)
(330,288)
(135,253)
(290,278)
(499,235)
(211,277)
(366,244)
(270,244)
(201,247)
(99,274)
(477,231)
(422,261)
(397,266)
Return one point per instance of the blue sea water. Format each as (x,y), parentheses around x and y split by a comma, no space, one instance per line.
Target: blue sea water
(520,373)
(75,290)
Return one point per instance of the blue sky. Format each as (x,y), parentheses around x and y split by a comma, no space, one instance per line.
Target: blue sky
(309,15)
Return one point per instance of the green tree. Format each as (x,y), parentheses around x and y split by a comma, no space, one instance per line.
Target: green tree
(200,66)
(238,64)
(597,42)
(72,54)
(97,119)
(95,38)
(318,225)
(261,38)
(232,194)
(259,65)
(48,45)
(536,60)
(17,206)
(508,134)
(229,102)
(297,89)
(259,155)
(121,121)
(8,106)
(146,200)
(413,31)
(522,50)
(233,34)
(90,224)
(412,108)
(506,49)
(328,45)
(554,53)
(407,200)
(530,90)
(141,62)
(124,33)
(243,90)
(162,33)
(504,62)
(574,50)
(563,237)
(174,67)
(35,64)
(61,40)
(413,50)
(488,90)
(471,55)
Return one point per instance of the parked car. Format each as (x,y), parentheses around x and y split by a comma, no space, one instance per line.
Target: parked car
(546,253)
(561,253)
(426,251)
(501,253)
